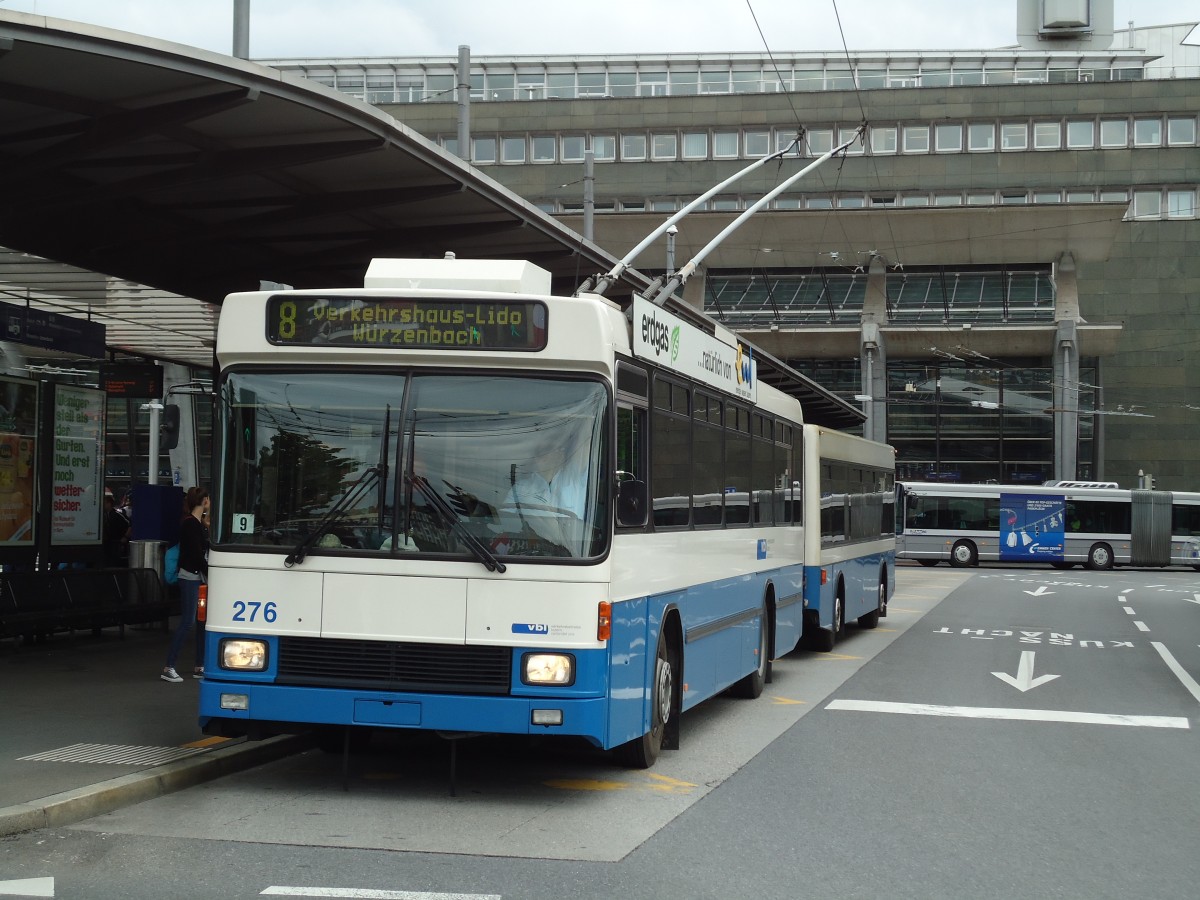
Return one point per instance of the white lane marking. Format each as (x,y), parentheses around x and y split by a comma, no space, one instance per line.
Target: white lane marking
(1141,626)
(1180,672)
(1129,610)
(1024,681)
(27,887)
(1023,715)
(367,894)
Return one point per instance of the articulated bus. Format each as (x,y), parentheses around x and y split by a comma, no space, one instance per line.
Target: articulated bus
(1063,525)
(451,501)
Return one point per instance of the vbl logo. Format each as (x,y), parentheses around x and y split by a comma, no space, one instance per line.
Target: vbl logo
(529,628)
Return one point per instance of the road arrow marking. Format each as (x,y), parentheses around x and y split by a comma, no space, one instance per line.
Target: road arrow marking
(1040,592)
(27,887)
(1024,680)
(1195,598)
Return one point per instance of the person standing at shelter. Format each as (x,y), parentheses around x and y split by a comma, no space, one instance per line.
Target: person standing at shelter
(193,571)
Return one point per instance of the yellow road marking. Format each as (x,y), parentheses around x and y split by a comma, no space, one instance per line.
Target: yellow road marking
(670,785)
(206,742)
(784,701)
(835,656)
(585,784)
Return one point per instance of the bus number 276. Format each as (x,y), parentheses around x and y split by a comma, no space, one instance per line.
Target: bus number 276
(247,611)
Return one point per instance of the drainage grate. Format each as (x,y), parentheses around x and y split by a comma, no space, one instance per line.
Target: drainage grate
(114,754)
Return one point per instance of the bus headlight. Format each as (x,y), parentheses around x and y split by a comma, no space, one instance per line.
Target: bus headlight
(549,668)
(243,655)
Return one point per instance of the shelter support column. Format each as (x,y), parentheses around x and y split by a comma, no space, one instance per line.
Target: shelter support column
(873,353)
(1066,369)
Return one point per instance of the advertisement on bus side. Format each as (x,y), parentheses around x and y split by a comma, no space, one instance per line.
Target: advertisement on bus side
(1032,527)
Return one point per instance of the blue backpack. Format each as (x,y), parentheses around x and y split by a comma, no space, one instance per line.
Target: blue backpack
(171,565)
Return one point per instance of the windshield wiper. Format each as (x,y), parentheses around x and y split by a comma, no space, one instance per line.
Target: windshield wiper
(446,511)
(356,492)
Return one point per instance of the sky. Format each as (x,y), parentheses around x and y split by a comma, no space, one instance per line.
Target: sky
(353,28)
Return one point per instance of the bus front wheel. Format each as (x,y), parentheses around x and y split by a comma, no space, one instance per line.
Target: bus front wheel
(641,752)
(1100,557)
(963,554)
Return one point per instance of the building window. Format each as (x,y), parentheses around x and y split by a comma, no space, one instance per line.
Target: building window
(848,134)
(820,140)
(684,83)
(1181,204)
(544,146)
(916,139)
(1181,132)
(725,145)
(758,144)
(665,146)
(1081,135)
(949,138)
(573,146)
(1013,198)
(747,81)
(633,147)
(695,145)
(622,84)
(652,84)
(1147,204)
(980,199)
(981,136)
(1114,133)
(591,84)
(483,150)
(883,140)
(1047,135)
(1080,197)
(851,202)
(947,199)
(818,203)
(1147,132)
(915,200)
(714,82)
(787,203)
(1114,196)
(1014,136)
(604,147)
(1047,197)
(561,86)
(512,150)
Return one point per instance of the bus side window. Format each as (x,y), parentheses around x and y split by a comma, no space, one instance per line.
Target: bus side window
(631,466)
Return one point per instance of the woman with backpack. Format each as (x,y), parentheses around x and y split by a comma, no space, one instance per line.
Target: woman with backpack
(193,571)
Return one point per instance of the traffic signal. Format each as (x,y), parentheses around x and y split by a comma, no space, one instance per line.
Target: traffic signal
(168,429)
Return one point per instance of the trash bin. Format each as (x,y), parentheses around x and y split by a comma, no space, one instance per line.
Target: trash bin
(147,555)
(146,587)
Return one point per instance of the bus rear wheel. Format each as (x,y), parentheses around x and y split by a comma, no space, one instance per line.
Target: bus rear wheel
(871,619)
(825,640)
(641,752)
(963,554)
(928,562)
(1100,557)
(752,685)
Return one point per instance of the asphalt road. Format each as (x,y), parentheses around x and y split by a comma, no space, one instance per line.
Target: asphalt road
(1005,733)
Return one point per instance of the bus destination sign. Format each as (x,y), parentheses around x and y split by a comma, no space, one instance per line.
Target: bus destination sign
(406,323)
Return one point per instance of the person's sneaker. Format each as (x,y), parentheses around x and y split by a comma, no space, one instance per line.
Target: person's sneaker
(169,674)
(198,672)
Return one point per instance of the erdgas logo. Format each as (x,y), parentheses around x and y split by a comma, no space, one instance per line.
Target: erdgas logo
(660,336)
(744,366)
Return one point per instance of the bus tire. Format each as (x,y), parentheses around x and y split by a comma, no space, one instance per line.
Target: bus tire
(752,685)
(964,555)
(641,752)
(1100,557)
(871,619)
(1062,565)
(928,562)
(825,639)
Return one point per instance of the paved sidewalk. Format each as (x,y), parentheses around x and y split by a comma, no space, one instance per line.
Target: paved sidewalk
(87,726)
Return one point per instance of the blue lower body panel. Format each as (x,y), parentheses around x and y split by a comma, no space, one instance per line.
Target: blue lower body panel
(279,705)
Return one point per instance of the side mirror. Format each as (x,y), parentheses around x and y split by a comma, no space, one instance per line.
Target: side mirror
(631,504)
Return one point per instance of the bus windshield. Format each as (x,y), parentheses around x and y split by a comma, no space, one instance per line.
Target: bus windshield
(382,464)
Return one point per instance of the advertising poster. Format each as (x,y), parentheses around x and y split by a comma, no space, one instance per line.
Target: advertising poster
(1032,527)
(18,469)
(78,508)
